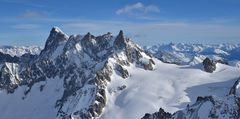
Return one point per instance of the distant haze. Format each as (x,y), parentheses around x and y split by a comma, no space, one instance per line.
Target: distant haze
(146,22)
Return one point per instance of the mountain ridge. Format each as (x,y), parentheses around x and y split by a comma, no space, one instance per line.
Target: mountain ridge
(106,76)
(71,59)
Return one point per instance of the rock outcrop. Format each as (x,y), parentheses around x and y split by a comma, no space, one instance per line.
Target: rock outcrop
(209,65)
(161,114)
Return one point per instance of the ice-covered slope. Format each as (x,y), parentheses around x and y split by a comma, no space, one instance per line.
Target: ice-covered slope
(193,54)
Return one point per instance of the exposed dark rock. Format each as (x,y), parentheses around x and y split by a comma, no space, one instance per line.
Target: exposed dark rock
(122,87)
(161,114)
(8,58)
(120,41)
(123,72)
(233,90)
(27,58)
(206,98)
(209,65)
(222,62)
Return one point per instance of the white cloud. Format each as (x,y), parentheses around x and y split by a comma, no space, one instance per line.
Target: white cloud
(137,9)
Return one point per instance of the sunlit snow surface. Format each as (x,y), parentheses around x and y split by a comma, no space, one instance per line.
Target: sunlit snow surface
(170,86)
(36,105)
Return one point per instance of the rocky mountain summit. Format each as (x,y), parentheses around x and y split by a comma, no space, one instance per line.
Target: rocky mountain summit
(84,65)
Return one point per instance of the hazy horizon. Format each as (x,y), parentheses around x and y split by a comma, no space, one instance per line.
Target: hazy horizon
(146,22)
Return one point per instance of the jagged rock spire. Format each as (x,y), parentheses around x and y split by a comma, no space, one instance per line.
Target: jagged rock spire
(87,36)
(120,41)
(120,35)
(56,36)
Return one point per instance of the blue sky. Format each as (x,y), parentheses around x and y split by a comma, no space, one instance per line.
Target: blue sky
(147,22)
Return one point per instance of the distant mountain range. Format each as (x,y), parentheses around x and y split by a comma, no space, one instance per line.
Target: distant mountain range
(192,54)
(20,50)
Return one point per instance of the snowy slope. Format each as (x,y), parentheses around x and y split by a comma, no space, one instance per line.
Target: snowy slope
(170,87)
(37,105)
(207,107)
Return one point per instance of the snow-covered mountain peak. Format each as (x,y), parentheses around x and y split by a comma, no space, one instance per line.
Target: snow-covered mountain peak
(56,35)
(55,42)
(57,30)
(84,65)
